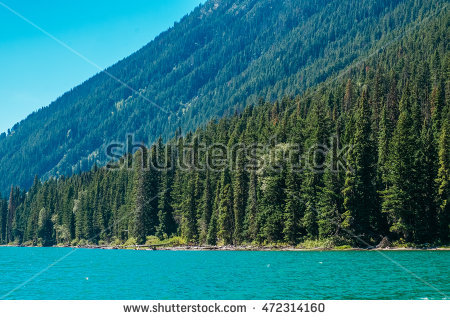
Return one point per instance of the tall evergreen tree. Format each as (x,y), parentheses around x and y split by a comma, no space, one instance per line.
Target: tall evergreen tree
(398,199)
(425,228)
(443,181)
(294,208)
(3,218)
(189,226)
(331,203)
(251,215)
(141,206)
(167,224)
(225,209)
(360,198)
(211,238)
(11,215)
(318,133)
(206,208)
(239,198)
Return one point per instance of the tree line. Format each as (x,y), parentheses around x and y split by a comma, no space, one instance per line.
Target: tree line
(391,113)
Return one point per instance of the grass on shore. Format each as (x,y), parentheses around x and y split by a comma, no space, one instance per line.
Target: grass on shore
(179,242)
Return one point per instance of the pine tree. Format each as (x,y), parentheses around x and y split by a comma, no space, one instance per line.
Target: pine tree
(77,212)
(331,202)
(422,87)
(384,144)
(87,218)
(317,133)
(189,226)
(360,198)
(225,209)
(294,208)
(45,227)
(98,212)
(271,204)
(240,191)
(398,199)
(211,238)
(167,225)
(152,179)
(139,230)
(348,97)
(443,181)
(377,101)
(251,216)
(3,218)
(426,224)
(437,108)
(388,119)
(206,208)
(12,206)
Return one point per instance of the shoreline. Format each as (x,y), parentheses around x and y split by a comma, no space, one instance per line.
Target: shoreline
(234,248)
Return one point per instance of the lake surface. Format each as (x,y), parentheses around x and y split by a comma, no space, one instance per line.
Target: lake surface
(126,274)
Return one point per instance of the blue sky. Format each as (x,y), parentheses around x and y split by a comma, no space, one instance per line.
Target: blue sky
(35,69)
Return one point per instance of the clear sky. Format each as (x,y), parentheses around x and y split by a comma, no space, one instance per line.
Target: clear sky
(35,69)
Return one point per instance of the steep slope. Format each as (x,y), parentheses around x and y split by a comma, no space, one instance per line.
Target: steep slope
(219,58)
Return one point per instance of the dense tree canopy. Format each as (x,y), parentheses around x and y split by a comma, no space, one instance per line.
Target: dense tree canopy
(383,168)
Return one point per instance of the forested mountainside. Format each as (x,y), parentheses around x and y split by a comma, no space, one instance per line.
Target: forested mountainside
(220,58)
(383,130)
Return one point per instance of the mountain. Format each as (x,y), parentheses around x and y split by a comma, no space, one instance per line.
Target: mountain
(216,60)
(378,172)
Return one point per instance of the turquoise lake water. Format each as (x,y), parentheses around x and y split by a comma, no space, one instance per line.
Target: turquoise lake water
(135,275)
